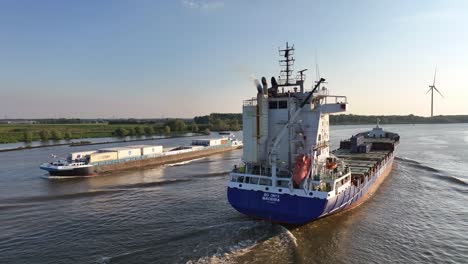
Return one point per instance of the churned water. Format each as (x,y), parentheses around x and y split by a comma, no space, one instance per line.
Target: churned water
(179,213)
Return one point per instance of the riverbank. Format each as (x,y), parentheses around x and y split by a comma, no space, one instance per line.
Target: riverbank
(99,143)
(17,133)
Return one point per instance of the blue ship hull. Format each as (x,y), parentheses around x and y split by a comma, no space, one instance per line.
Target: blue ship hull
(288,208)
(293,209)
(86,171)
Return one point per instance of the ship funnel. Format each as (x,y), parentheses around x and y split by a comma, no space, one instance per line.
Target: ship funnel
(259,86)
(274,87)
(265,85)
(273,82)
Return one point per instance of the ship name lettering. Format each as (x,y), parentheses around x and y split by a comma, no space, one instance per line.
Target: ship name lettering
(271,197)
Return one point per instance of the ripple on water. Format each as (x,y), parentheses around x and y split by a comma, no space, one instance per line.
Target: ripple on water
(179,214)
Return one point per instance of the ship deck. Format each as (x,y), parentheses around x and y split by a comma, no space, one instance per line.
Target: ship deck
(360,163)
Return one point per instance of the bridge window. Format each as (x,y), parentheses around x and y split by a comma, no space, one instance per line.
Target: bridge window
(273,105)
(282,104)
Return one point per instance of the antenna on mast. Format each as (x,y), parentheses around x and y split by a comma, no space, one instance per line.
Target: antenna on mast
(317,70)
(287,63)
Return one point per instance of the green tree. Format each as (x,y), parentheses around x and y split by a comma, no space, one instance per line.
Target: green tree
(176,125)
(167,129)
(56,134)
(170,124)
(180,125)
(234,125)
(219,124)
(44,134)
(195,127)
(27,136)
(158,129)
(207,131)
(138,131)
(68,135)
(149,130)
(131,131)
(121,132)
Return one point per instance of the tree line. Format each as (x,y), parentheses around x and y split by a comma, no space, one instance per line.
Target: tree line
(46,134)
(172,125)
(396,119)
(223,122)
(220,122)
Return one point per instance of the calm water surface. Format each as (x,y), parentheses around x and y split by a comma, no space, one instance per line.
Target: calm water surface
(179,213)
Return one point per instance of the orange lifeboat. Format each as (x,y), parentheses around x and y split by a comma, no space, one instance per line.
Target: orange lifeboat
(301,168)
(331,165)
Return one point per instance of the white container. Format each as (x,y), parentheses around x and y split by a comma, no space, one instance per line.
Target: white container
(206,142)
(124,152)
(201,142)
(195,148)
(102,156)
(80,155)
(215,142)
(149,149)
(129,153)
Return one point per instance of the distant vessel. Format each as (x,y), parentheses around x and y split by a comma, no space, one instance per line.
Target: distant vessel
(288,174)
(88,163)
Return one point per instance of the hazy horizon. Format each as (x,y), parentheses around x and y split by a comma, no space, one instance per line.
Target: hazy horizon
(185,117)
(151,59)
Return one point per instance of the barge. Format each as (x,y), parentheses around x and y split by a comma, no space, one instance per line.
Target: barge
(90,163)
(288,173)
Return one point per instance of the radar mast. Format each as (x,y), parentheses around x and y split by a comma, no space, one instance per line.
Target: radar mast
(287,64)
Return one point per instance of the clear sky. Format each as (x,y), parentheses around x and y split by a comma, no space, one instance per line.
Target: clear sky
(181,58)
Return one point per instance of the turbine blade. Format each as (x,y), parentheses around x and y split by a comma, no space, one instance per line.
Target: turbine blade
(429,89)
(439,92)
(435,73)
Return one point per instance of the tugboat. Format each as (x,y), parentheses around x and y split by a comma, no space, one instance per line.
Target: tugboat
(64,167)
(288,174)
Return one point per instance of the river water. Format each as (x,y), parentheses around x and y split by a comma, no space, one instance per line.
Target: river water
(91,140)
(179,213)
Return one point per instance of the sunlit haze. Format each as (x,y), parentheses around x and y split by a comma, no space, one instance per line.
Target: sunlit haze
(152,59)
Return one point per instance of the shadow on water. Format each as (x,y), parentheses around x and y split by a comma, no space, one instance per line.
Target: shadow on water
(33,200)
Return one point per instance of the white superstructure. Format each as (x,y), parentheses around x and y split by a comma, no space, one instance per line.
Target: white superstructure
(279,126)
(288,174)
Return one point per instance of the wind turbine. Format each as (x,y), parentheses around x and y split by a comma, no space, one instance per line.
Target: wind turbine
(431,89)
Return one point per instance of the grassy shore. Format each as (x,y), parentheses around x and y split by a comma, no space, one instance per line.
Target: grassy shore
(12,133)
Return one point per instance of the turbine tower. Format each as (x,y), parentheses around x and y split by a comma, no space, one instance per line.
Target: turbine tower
(431,89)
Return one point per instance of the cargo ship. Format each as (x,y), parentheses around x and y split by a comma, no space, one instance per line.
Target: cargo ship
(91,163)
(288,173)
